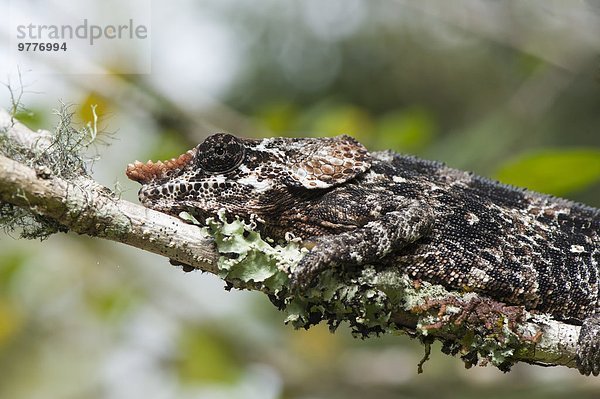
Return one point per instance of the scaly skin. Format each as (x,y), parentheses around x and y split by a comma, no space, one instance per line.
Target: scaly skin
(438,224)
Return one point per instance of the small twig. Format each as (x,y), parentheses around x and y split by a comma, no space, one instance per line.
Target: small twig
(425,358)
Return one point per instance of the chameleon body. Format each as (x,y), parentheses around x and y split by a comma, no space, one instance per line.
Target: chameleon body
(438,224)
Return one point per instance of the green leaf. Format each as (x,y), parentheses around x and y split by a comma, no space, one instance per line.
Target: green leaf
(555,171)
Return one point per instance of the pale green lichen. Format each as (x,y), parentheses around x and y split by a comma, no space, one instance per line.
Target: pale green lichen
(247,260)
(367,298)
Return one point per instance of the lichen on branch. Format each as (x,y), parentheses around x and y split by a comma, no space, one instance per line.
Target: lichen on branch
(60,153)
(376,300)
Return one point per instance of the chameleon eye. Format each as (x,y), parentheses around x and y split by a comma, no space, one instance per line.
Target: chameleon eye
(220,153)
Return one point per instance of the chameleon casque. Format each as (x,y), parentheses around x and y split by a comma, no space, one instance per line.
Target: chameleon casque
(356,207)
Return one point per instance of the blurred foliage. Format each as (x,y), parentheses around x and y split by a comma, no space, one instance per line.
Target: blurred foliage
(170,144)
(557,172)
(334,120)
(111,304)
(499,88)
(93,99)
(11,266)
(416,88)
(318,347)
(409,130)
(206,357)
(34,118)
(10,321)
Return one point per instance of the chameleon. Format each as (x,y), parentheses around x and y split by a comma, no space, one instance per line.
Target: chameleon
(353,207)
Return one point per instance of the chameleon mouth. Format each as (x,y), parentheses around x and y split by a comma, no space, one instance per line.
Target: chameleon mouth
(147,172)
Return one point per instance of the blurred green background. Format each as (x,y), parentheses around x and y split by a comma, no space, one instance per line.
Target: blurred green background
(507,89)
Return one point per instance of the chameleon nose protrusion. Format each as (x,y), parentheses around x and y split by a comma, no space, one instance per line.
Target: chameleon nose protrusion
(149,171)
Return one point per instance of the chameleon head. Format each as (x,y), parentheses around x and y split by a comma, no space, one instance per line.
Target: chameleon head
(202,180)
(246,176)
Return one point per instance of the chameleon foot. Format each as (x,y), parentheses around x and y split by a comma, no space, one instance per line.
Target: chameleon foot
(588,346)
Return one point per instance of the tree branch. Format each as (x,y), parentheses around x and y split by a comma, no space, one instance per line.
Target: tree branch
(86,207)
(371,300)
